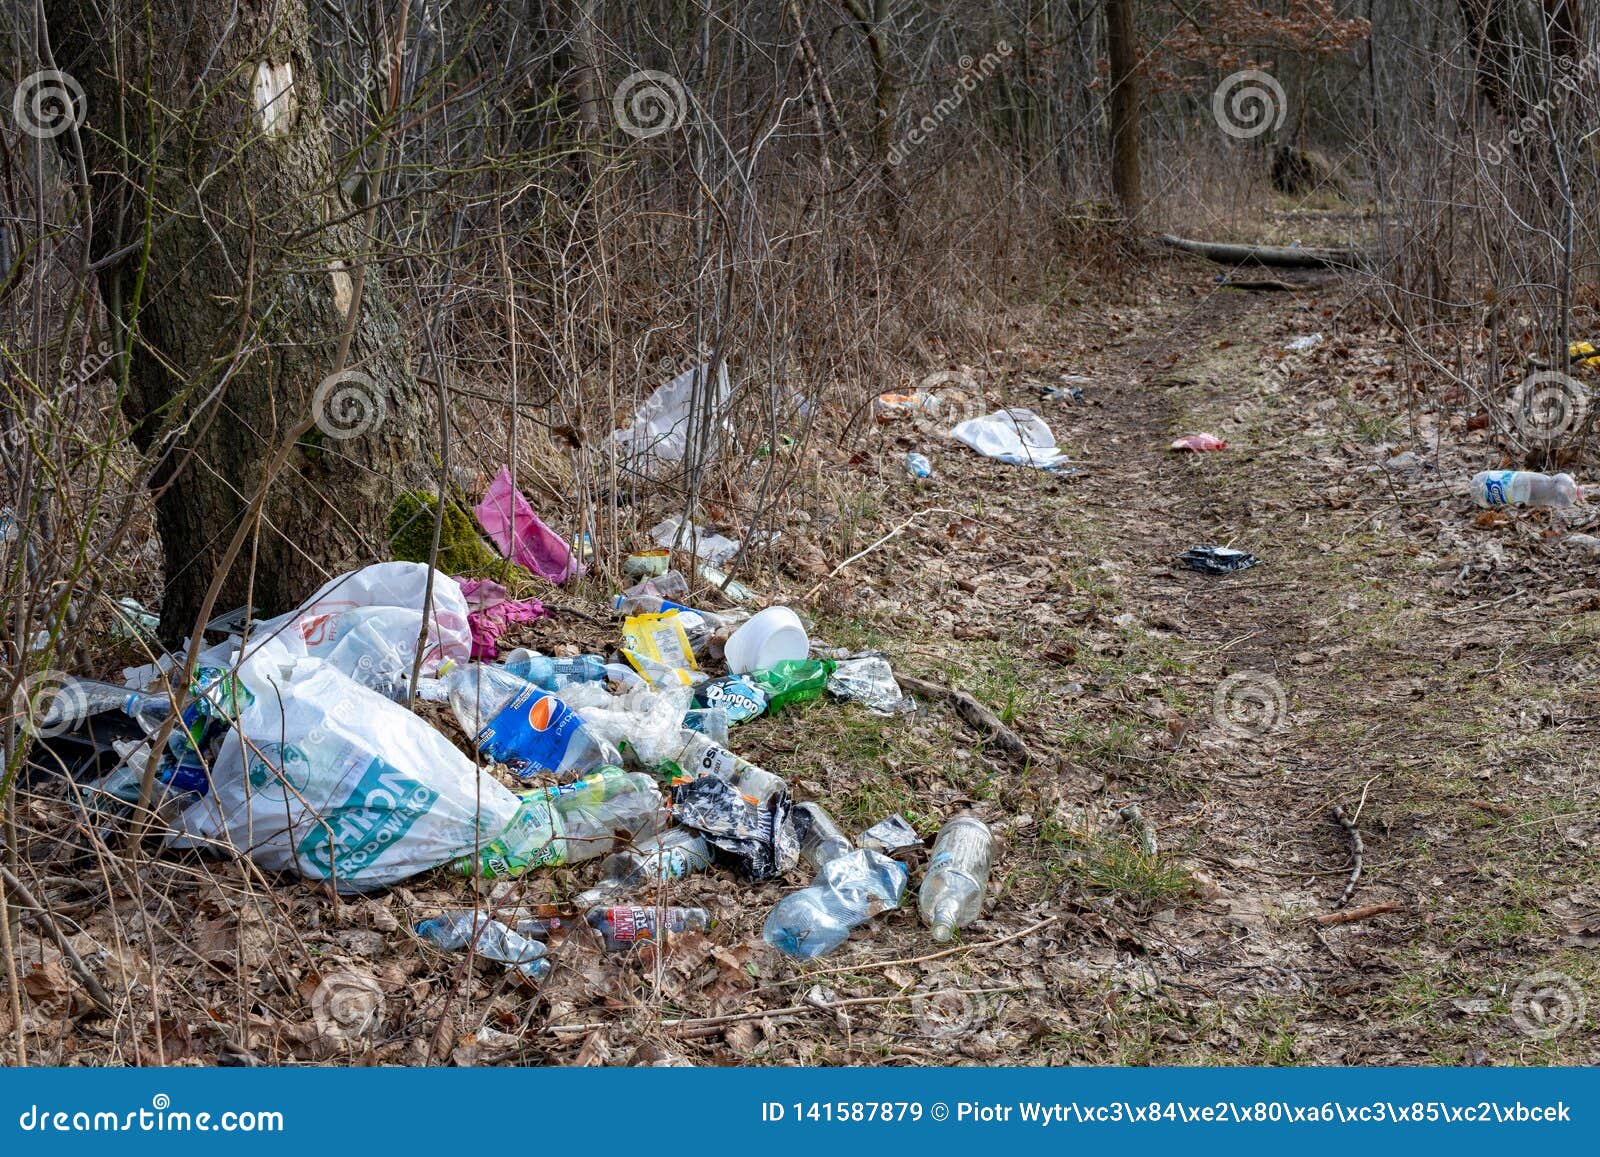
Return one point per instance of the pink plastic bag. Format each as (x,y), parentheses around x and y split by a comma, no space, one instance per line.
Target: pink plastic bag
(517,531)
(491,612)
(1199,442)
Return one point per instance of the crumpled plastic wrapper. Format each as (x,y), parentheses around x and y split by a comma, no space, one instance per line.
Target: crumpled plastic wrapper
(643,724)
(869,680)
(891,836)
(759,838)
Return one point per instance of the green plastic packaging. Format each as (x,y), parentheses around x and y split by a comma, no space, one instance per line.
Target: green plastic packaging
(793,681)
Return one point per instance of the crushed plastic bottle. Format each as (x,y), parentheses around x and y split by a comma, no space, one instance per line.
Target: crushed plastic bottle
(554,673)
(668,855)
(958,872)
(489,938)
(793,681)
(918,466)
(848,891)
(515,723)
(570,824)
(712,722)
(821,840)
(1525,488)
(623,927)
(646,596)
(641,723)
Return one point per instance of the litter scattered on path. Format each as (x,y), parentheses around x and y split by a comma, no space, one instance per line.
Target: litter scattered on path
(297,748)
(1199,442)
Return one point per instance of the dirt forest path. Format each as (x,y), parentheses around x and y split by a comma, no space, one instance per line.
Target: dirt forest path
(1387,656)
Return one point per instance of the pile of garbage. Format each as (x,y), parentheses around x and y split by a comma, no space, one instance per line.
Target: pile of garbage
(296,744)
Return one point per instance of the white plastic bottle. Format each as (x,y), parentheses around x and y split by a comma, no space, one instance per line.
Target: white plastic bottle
(952,891)
(1524,488)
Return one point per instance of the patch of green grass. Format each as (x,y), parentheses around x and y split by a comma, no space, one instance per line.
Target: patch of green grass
(1111,865)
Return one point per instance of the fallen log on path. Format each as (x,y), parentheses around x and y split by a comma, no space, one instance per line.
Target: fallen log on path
(1277,256)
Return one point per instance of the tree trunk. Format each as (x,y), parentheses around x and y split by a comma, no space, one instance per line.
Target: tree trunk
(872,17)
(1123,53)
(205,123)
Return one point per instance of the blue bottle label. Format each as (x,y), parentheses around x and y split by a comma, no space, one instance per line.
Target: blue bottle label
(531,733)
(1496,487)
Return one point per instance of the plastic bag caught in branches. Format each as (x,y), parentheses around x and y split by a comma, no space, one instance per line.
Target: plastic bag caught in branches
(660,435)
(521,535)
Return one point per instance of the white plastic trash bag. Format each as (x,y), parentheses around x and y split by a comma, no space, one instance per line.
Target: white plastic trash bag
(326,778)
(366,624)
(659,436)
(1018,436)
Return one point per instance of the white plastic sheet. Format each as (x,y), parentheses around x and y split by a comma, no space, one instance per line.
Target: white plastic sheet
(1018,436)
(659,436)
(705,545)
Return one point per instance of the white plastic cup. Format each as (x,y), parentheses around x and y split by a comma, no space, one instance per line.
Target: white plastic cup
(766,638)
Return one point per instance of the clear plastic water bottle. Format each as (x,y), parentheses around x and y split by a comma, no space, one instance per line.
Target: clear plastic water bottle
(849,891)
(918,466)
(821,840)
(668,855)
(699,756)
(623,927)
(590,826)
(489,938)
(958,873)
(665,591)
(1524,488)
(570,824)
(517,724)
(554,673)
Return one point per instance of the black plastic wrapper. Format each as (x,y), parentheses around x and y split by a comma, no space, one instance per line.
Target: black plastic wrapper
(758,839)
(1217,559)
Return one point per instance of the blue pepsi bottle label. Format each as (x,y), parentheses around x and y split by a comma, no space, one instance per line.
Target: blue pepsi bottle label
(531,733)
